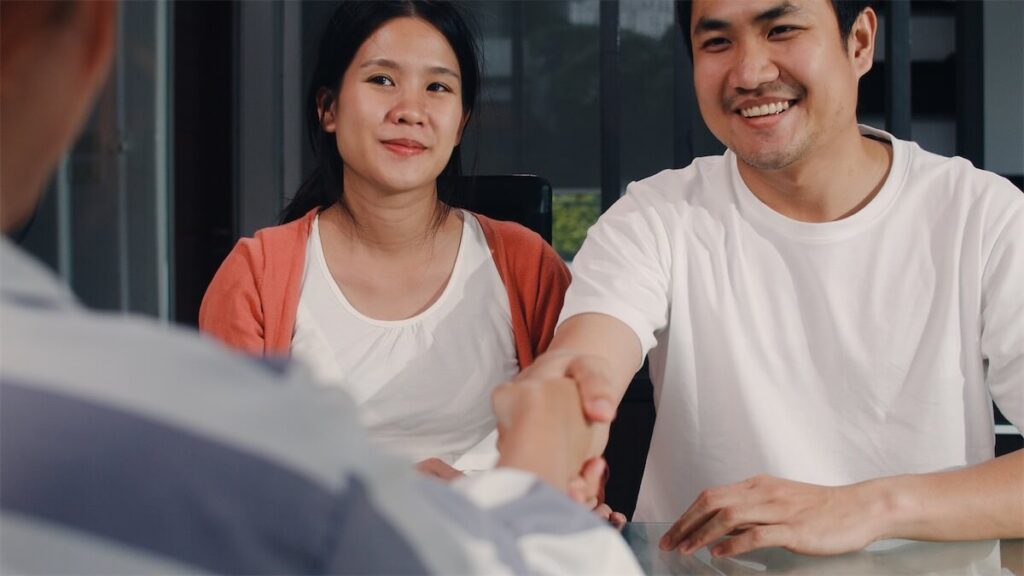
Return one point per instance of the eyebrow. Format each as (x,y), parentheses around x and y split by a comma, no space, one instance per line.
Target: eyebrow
(705,24)
(387,63)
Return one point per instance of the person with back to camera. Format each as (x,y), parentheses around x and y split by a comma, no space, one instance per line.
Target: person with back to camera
(415,308)
(829,311)
(129,447)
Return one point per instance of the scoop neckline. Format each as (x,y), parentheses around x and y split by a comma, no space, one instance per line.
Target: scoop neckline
(339,294)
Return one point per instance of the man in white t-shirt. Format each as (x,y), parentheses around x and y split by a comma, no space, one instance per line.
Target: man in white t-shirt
(829,312)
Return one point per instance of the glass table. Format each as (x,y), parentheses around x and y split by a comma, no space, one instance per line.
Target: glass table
(983,558)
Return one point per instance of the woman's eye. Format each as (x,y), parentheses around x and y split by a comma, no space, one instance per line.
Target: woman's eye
(438,87)
(381,80)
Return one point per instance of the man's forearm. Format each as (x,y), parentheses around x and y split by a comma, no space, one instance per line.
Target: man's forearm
(984,501)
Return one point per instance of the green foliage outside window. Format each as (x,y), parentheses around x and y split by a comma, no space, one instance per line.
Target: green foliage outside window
(573,215)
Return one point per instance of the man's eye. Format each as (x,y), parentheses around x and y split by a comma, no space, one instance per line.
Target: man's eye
(381,80)
(781,30)
(714,44)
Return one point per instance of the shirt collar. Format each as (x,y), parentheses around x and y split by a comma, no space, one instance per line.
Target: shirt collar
(24,281)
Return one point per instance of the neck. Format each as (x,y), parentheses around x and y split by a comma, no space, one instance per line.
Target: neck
(25,165)
(831,183)
(392,223)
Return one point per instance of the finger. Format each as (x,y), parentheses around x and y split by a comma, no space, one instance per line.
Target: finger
(596,392)
(766,536)
(617,520)
(578,491)
(707,504)
(593,474)
(603,510)
(726,520)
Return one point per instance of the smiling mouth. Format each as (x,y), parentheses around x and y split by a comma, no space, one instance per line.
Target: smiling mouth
(772,109)
(404,147)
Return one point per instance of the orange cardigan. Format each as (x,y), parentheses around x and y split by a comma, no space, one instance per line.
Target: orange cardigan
(252,301)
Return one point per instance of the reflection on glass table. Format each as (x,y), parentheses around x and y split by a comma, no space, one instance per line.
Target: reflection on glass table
(989,557)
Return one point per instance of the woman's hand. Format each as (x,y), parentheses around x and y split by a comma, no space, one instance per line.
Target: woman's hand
(438,468)
(587,488)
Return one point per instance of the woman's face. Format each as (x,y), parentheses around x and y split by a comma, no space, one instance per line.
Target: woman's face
(398,114)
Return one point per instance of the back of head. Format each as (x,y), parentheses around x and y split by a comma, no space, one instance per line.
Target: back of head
(54,57)
(352,23)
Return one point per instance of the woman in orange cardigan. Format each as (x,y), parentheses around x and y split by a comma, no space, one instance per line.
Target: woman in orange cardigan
(417,309)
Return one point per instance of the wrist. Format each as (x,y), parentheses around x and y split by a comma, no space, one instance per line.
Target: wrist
(890,505)
(537,462)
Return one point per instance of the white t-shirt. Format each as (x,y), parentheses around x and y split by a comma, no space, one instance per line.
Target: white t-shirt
(821,352)
(422,384)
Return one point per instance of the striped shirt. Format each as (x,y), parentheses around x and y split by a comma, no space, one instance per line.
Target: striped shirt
(127,447)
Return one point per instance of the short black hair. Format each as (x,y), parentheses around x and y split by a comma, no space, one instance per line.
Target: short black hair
(846,12)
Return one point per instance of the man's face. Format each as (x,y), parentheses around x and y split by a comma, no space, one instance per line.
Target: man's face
(774,81)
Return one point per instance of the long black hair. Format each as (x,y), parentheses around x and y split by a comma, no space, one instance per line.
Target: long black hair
(352,23)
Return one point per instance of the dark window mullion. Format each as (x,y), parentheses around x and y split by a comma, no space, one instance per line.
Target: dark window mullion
(610,103)
(897,70)
(970,76)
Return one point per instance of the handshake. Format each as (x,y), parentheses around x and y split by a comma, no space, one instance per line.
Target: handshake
(554,423)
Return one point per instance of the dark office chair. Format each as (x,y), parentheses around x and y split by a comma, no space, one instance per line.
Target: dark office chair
(522,198)
(628,444)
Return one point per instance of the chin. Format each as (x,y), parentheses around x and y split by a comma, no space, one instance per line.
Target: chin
(769,158)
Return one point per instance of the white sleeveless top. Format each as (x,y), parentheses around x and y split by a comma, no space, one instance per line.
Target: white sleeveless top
(422,384)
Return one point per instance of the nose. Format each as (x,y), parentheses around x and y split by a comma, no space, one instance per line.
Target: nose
(753,68)
(409,108)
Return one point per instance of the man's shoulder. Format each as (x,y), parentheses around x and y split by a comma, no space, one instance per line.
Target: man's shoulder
(959,179)
(189,383)
(700,172)
(701,182)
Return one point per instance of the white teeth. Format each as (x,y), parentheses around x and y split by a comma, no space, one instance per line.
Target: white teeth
(765,109)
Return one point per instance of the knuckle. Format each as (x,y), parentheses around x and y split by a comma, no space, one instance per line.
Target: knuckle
(758,536)
(708,498)
(729,515)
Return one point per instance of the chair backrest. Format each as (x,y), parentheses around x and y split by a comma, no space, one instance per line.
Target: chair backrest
(522,198)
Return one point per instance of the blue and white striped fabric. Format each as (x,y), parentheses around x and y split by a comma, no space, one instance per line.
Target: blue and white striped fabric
(131,448)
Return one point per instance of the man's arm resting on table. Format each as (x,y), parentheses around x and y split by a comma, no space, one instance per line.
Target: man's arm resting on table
(979,502)
(600,353)
(976,503)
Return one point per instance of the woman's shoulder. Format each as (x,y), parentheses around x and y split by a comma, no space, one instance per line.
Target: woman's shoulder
(279,243)
(521,251)
(295,231)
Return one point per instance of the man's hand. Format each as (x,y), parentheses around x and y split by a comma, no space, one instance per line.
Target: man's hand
(765,511)
(600,353)
(590,372)
(541,429)
(438,468)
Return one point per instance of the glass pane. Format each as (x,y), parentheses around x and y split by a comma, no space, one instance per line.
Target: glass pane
(646,33)
(539,111)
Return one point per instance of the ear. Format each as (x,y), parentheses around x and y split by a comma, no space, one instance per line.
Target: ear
(861,43)
(462,127)
(326,105)
(100,22)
